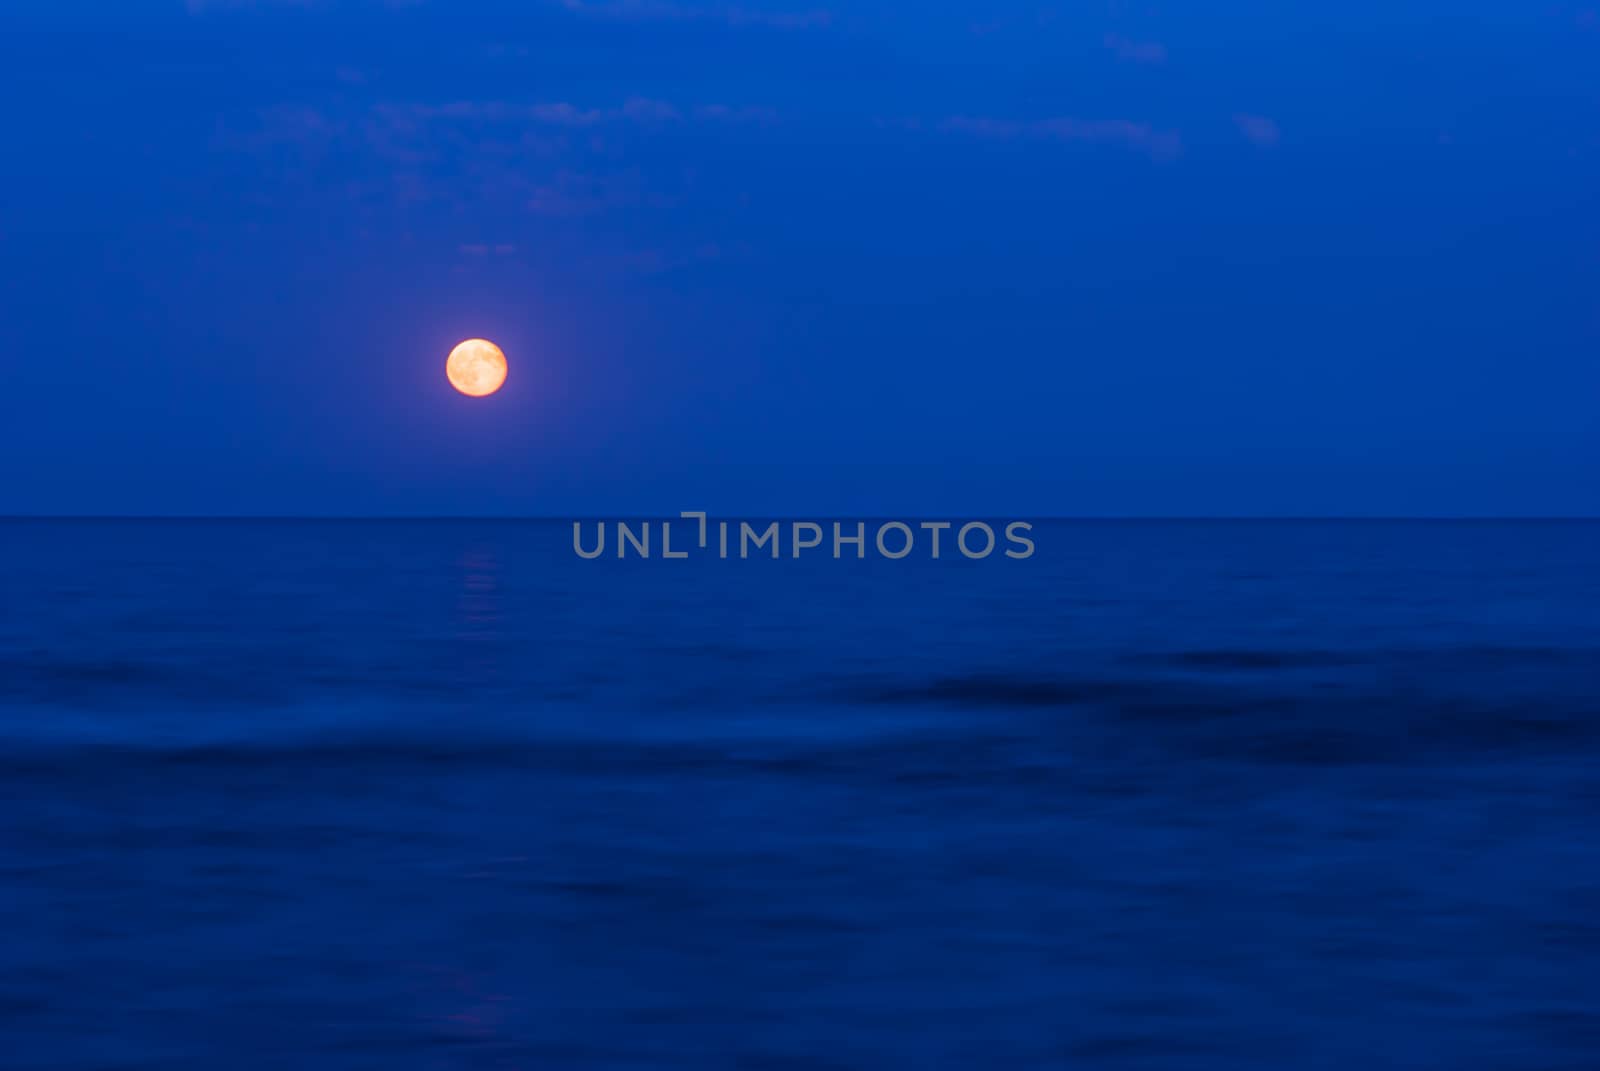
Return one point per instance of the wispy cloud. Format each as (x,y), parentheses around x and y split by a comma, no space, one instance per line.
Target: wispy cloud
(640,110)
(1136,51)
(726,113)
(485,249)
(1257,129)
(549,159)
(620,10)
(573,193)
(200,7)
(667,10)
(1159,144)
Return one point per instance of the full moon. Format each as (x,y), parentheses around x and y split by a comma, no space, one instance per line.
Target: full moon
(476,368)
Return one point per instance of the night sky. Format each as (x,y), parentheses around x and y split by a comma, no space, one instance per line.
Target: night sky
(1007,258)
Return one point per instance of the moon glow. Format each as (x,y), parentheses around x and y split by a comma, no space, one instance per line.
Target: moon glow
(476,368)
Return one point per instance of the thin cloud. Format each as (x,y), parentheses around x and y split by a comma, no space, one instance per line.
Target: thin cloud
(1136,51)
(638,110)
(727,114)
(573,193)
(667,11)
(559,114)
(1257,129)
(201,7)
(1159,144)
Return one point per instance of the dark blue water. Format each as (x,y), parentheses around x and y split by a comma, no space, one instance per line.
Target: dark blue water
(440,795)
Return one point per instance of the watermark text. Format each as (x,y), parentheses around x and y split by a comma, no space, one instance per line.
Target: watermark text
(694,533)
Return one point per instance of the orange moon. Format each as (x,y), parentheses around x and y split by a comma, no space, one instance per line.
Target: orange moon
(476,367)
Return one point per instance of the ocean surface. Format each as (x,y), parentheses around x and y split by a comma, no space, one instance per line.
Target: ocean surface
(1167,795)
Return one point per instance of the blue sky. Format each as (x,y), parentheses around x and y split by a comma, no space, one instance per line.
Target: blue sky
(796,258)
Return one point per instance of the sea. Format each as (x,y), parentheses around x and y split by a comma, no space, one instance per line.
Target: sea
(444,795)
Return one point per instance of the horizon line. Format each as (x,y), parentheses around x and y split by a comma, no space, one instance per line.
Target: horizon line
(581,518)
